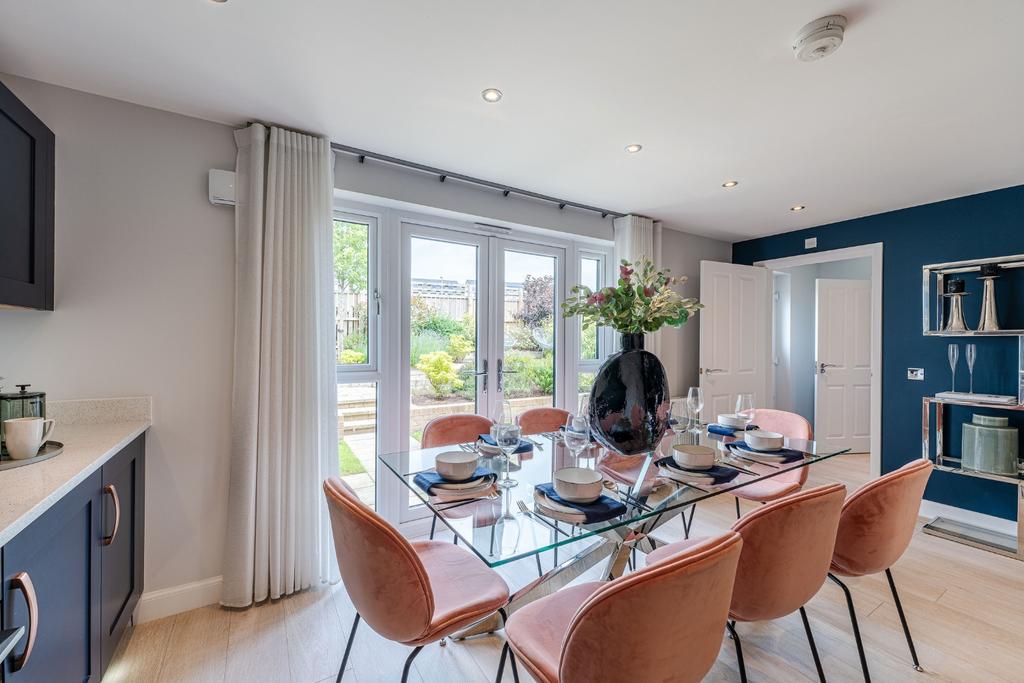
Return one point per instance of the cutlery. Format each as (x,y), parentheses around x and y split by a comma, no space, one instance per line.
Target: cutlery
(526,511)
(534,441)
(744,470)
(756,462)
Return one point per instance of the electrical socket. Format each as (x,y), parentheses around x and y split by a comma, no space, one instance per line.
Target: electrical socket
(811,243)
(916,374)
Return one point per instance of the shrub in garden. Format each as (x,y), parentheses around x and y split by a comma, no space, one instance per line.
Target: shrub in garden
(440,372)
(351,357)
(459,347)
(421,343)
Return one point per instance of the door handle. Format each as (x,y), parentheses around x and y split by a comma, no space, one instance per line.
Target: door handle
(709,371)
(111,490)
(502,372)
(23,582)
(822,366)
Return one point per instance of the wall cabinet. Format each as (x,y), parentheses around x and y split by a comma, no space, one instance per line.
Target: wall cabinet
(26,206)
(74,575)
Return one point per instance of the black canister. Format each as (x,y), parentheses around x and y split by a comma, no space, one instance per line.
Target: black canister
(23,403)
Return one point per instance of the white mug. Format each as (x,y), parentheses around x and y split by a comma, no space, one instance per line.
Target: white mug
(25,435)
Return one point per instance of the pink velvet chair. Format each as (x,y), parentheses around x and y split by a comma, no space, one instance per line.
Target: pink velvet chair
(792,426)
(413,593)
(449,430)
(537,420)
(631,629)
(787,549)
(877,523)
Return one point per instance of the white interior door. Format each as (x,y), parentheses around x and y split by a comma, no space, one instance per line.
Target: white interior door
(735,335)
(842,343)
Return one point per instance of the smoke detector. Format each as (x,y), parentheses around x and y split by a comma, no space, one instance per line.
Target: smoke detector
(820,38)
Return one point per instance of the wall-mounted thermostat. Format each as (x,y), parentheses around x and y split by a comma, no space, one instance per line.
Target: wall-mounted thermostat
(222,187)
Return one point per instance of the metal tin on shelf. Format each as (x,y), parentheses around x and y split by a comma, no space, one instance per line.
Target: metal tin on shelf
(989,445)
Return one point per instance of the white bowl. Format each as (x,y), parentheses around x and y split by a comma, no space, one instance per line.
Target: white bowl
(456,465)
(763,441)
(578,484)
(732,420)
(693,457)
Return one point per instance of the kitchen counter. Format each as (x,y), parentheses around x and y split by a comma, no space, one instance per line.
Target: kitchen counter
(27,492)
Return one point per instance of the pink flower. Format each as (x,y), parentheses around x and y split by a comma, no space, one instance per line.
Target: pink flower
(648,292)
(599,298)
(625,272)
(592,299)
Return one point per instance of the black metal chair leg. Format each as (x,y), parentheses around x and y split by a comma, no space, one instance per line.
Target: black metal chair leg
(348,648)
(433,526)
(738,513)
(501,664)
(540,570)
(814,649)
(856,628)
(903,620)
(512,660)
(688,523)
(731,625)
(408,663)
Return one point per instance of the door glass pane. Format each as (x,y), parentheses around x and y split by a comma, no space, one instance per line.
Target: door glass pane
(529,330)
(351,289)
(443,331)
(357,438)
(590,269)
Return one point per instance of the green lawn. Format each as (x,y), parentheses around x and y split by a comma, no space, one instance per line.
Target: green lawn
(348,463)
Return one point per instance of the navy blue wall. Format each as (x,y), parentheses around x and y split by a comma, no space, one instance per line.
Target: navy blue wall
(982,225)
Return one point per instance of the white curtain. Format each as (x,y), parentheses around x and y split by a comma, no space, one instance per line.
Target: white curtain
(637,236)
(283,410)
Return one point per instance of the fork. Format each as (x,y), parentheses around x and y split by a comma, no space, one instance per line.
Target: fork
(526,511)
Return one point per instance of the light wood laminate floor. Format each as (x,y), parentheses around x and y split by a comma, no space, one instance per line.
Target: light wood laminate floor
(965,607)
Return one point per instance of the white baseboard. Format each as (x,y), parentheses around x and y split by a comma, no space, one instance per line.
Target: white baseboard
(167,601)
(932,509)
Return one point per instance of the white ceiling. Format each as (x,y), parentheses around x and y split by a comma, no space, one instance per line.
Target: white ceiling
(923,102)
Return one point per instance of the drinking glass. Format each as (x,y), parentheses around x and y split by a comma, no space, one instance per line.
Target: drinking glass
(577,434)
(695,402)
(506,435)
(954,356)
(745,407)
(972,354)
(676,411)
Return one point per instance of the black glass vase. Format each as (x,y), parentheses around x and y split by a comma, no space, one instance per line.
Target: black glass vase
(629,402)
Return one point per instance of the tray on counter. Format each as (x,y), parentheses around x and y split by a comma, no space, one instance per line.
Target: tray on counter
(49,450)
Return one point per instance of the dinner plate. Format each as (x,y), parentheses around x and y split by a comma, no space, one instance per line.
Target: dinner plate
(460,485)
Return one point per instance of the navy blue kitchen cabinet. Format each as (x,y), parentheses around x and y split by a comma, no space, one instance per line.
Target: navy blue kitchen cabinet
(73,576)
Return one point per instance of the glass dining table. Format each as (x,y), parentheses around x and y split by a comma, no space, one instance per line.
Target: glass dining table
(507,526)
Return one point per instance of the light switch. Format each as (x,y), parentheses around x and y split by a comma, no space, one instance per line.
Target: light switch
(916,374)
(810,243)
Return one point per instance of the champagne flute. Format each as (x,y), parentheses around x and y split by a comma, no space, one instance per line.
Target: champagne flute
(745,408)
(954,357)
(695,402)
(507,437)
(972,354)
(577,435)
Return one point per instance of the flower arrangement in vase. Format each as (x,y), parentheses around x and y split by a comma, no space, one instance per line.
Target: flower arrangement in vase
(629,400)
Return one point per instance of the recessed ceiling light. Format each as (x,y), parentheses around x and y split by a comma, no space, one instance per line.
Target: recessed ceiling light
(798,207)
(491,95)
(634,148)
(730,183)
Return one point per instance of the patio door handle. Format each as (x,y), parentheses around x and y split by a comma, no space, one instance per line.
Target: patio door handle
(483,373)
(502,372)
(822,366)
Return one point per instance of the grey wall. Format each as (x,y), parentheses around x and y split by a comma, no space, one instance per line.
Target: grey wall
(144,304)
(798,382)
(682,253)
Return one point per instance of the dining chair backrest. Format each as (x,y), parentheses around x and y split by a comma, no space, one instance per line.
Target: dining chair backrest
(632,628)
(382,573)
(787,549)
(449,430)
(879,518)
(537,420)
(791,426)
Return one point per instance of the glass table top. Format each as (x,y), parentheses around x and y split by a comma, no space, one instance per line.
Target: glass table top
(506,526)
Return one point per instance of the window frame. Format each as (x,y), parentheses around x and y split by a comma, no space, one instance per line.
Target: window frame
(368,371)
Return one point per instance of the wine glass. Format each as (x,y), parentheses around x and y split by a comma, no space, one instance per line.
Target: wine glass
(954,357)
(507,435)
(972,354)
(577,434)
(676,411)
(745,408)
(695,402)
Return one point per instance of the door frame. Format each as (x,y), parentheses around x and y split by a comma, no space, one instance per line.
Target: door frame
(874,252)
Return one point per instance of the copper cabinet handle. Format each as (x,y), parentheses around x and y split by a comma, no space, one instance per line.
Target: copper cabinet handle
(22,582)
(112,490)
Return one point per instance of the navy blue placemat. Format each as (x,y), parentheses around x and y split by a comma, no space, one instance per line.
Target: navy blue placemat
(787,455)
(723,430)
(718,473)
(427,479)
(523,447)
(601,510)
